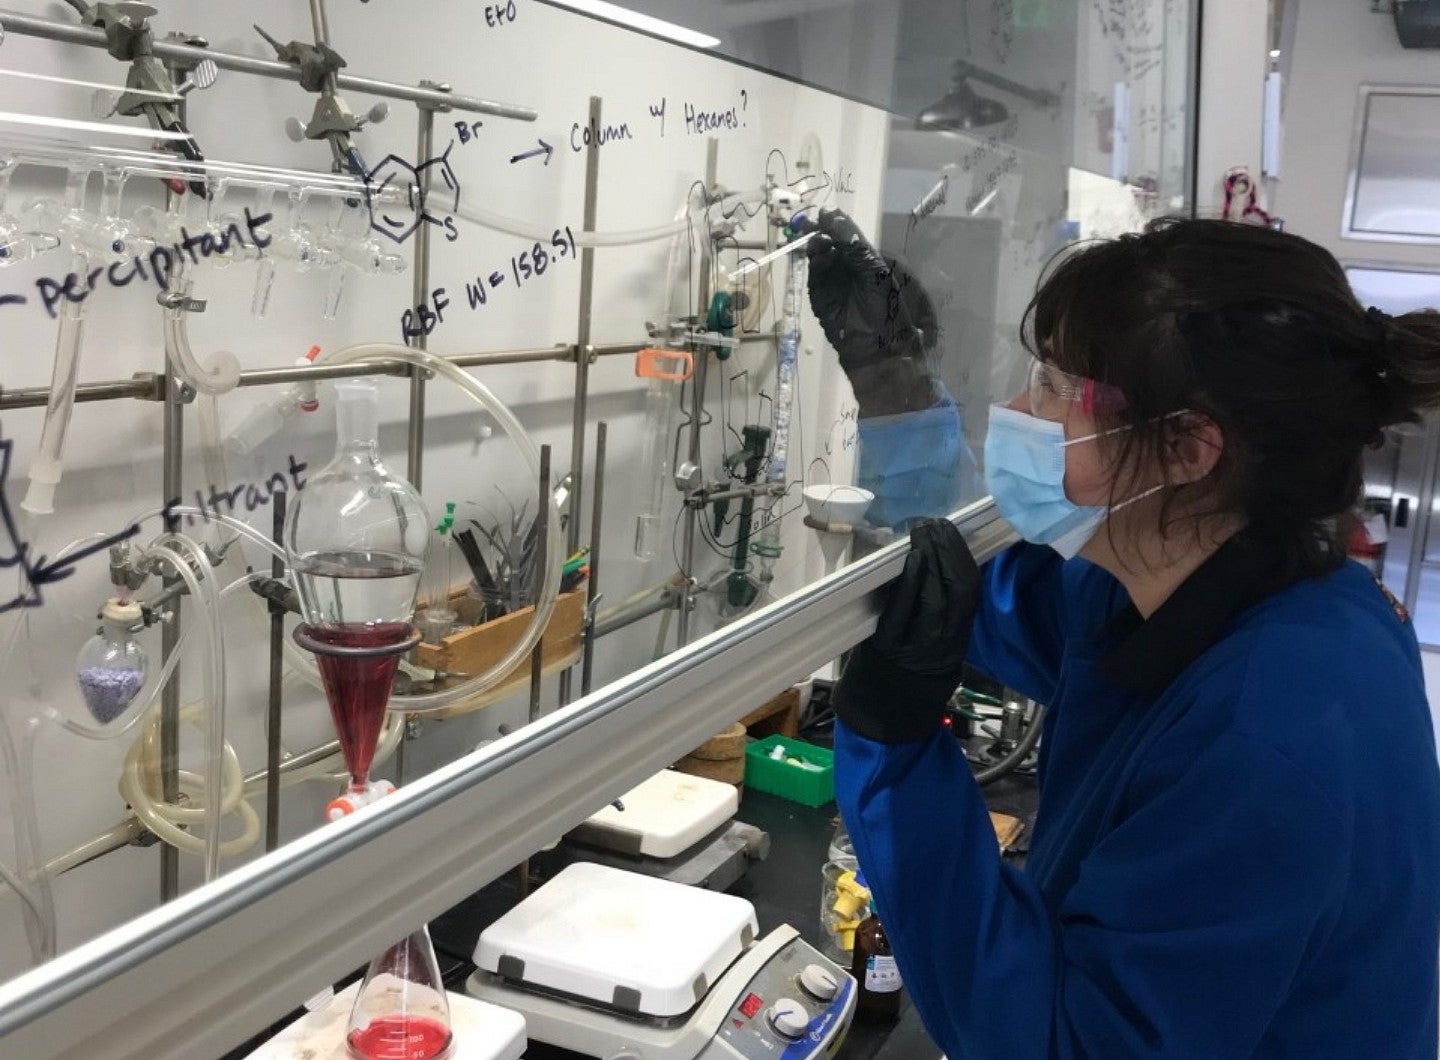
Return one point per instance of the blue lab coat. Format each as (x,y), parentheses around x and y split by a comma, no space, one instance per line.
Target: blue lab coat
(1237,851)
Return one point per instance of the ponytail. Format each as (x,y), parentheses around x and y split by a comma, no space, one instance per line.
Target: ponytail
(1409,352)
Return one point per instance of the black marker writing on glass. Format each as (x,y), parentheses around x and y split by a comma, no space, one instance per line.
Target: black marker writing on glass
(15,551)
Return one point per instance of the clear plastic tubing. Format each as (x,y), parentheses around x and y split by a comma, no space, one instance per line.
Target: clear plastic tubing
(202,584)
(554,547)
(30,881)
(223,373)
(47,467)
(633,237)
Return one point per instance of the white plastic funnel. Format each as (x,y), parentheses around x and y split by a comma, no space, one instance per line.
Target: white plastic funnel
(835,506)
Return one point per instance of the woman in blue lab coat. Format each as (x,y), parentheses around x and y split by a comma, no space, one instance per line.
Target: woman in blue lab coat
(1237,851)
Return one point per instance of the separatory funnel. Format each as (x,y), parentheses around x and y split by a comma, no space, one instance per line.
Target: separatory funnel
(357,538)
(401,1012)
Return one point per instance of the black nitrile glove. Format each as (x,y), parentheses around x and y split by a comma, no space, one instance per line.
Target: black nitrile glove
(897,683)
(870,307)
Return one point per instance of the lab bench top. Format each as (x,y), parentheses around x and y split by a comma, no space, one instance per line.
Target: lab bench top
(784,889)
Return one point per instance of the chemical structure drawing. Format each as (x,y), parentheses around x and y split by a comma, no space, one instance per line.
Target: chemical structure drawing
(432,195)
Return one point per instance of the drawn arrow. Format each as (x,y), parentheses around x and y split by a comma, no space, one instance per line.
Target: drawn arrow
(544,149)
(46,573)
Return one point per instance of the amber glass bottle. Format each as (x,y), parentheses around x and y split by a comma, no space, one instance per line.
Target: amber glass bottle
(876,974)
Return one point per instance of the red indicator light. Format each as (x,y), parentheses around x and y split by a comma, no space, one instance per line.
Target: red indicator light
(752,1004)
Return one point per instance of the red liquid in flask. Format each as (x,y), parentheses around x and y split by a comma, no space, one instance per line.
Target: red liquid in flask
(400,1037)
(359,688)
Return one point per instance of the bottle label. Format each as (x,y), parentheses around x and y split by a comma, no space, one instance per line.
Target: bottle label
(882,975)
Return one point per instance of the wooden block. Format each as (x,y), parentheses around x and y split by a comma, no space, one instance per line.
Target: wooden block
(730,770)
(479,648)
(723,745)
(1007,828)
(780,715)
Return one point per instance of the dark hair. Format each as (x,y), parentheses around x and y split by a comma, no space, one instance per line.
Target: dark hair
(1259,331)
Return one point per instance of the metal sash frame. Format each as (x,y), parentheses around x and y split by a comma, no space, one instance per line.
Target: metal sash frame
(200,974)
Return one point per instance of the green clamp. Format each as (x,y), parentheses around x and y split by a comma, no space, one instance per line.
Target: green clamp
(720,317)
(444,525)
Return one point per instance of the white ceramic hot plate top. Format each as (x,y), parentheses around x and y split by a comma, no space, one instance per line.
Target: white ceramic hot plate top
(637,943)
(666,814)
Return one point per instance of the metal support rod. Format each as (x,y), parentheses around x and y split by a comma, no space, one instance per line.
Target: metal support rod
(742,492)
(664,599)
(415,417)
(415,440)
(321,24)
(172,448)
(145,386)
(148,386)
(697,415)
(582,333)
(537,654)
(542,523)
(277,681)
(592,593)
(583,356)
(94,37)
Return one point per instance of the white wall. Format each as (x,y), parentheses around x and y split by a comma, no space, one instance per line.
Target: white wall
(1340,46)
(547,59)
(1233,63)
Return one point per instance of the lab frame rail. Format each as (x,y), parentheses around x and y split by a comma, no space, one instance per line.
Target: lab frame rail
(200,974)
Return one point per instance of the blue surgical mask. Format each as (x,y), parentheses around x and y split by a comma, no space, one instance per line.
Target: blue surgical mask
(1025,473)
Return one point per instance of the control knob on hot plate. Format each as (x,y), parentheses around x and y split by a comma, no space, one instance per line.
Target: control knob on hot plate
(819,982)
(789,1018)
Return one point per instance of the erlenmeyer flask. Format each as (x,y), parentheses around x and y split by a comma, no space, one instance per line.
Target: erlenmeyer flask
(357,538)
(401,1012)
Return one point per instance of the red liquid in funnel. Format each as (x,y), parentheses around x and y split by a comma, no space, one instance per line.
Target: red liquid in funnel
(358,689)
(400,1038)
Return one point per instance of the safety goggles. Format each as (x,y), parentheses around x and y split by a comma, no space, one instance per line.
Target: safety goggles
(1051,392)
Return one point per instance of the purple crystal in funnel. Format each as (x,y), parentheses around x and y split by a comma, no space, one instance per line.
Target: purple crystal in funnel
(108,691)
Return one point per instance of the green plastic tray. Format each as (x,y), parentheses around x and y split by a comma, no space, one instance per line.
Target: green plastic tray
(807,787)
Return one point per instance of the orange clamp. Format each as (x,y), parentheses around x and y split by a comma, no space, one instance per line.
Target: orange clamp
(673,366)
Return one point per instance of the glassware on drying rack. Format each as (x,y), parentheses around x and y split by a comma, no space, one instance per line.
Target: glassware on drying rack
(17,244)
(357,538)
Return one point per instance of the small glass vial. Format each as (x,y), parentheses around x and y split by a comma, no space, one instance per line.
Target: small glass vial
(877,976)
(111,667)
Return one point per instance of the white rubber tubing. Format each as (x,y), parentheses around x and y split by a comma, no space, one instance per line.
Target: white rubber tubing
(202,584)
